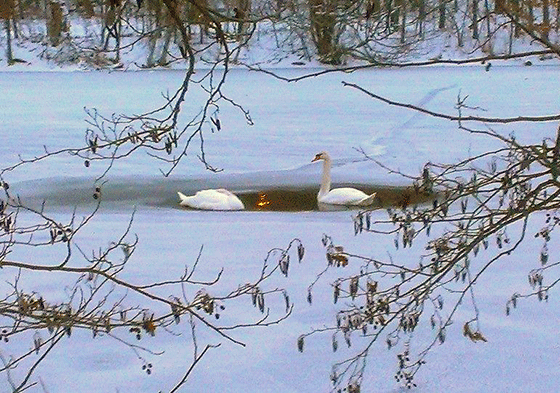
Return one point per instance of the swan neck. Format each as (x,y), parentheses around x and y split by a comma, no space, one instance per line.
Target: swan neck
(326,179)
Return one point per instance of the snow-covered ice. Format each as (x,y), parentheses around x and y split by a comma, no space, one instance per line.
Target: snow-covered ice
(293,122)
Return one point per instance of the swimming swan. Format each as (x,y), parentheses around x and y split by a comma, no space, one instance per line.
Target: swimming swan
(220,199)
(339,196)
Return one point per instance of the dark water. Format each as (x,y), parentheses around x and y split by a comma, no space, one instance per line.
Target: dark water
(305,199)
(264,191)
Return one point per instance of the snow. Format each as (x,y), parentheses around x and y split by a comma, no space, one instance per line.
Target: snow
(293,122)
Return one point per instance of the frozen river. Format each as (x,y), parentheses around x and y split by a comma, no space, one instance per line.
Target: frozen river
(292,122)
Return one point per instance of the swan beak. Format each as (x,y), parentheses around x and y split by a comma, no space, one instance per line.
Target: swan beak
(317,158)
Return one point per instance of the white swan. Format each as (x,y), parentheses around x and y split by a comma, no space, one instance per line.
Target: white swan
(220,199)
(339,196)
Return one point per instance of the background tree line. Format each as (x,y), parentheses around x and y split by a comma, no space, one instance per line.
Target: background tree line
(333,31)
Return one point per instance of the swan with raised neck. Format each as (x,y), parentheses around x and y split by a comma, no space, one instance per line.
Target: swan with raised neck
(339,196)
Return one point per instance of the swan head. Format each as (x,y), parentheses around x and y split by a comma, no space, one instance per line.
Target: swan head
(321,156)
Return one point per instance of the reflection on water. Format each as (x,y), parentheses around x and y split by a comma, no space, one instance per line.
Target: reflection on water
(305,199)
(280,200)
(275,193)
(302,199)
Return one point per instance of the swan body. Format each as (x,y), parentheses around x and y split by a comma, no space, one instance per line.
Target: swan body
(219,199)
(339,196)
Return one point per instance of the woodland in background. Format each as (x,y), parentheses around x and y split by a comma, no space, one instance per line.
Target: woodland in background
(96,32)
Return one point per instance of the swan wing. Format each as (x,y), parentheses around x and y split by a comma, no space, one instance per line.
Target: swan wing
(223,191)
(212,200)
(184,199)
(368,201)
(347,196)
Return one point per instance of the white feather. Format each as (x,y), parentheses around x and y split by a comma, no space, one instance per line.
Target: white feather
(219,199)
(339,196)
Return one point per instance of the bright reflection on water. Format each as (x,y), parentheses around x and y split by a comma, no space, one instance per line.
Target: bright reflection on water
(255,193)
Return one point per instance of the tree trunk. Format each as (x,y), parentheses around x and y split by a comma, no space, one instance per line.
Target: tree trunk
(153,24)
(9,55)
(103,25)
(17,15)
(113,24)
(475,19)
(323,23)
(395,15)
(169,33)
(487,16)
(546,19)
(515,10)
(7,13)
(152,43)
(15,28)
(441,20)
(118,39)
(54,23)
(392,15)
(421,17)
(403,21)
(241,13)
